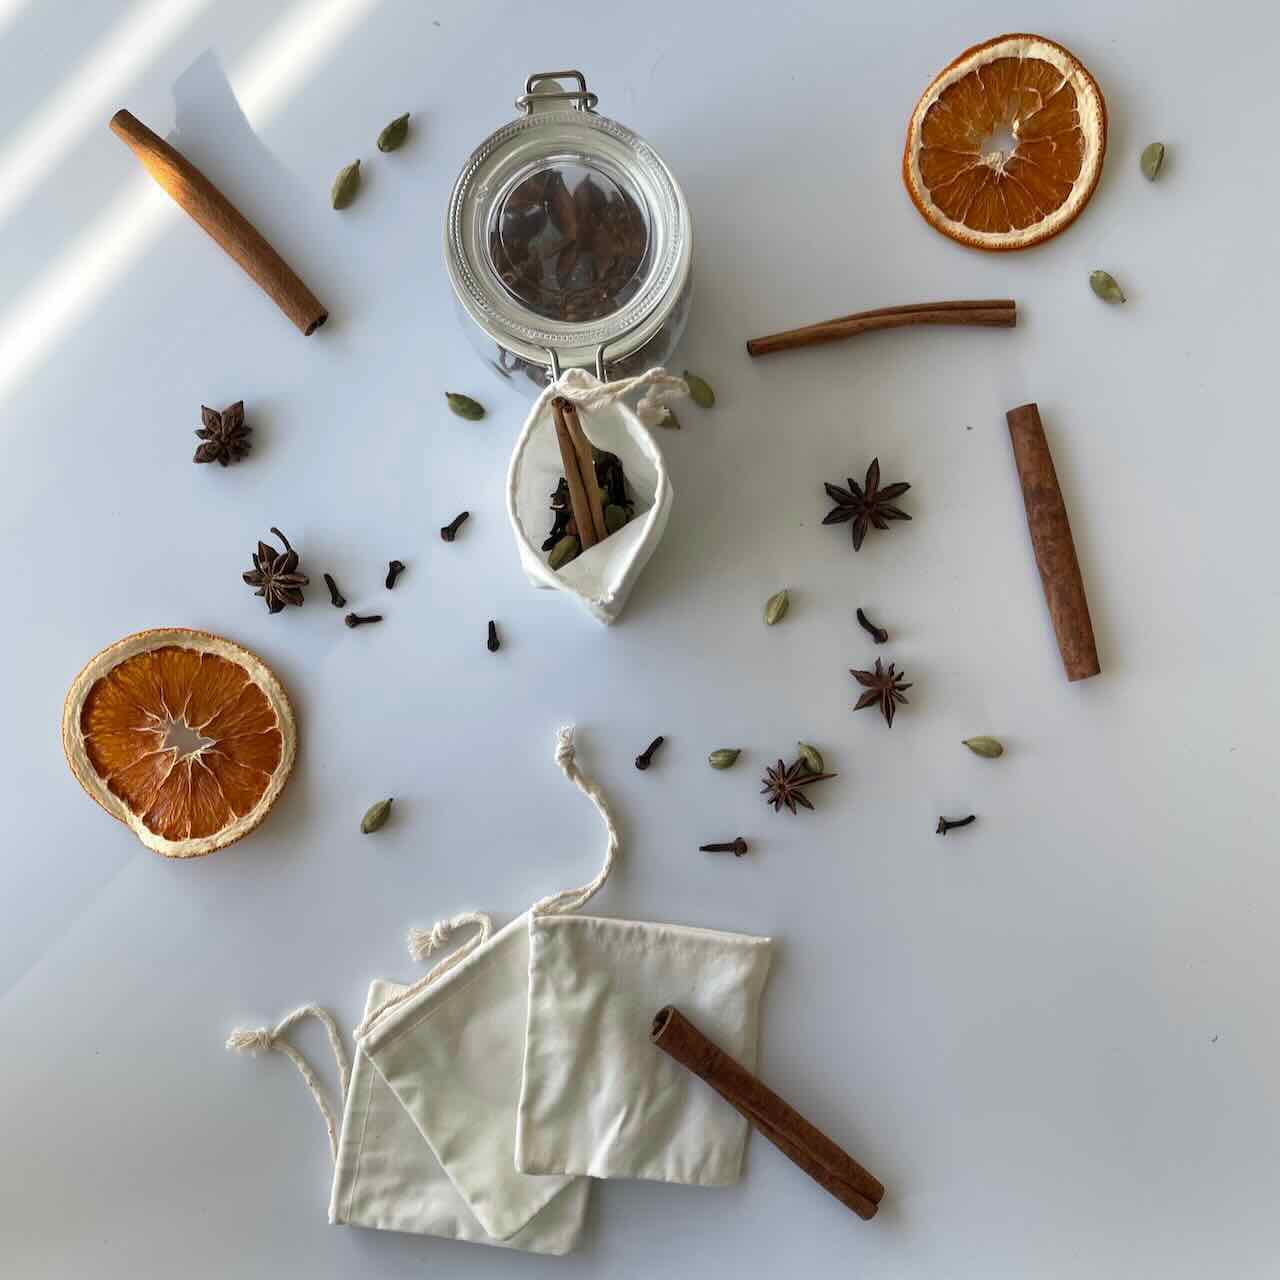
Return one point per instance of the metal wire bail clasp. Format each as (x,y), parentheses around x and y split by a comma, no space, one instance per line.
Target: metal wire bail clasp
(581,97)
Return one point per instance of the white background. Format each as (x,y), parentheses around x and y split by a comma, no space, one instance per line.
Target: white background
(1054,1035)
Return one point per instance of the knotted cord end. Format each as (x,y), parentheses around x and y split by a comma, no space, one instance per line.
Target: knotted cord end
(250,1040)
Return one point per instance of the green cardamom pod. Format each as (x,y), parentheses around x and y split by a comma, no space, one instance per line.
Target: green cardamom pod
(394,134)
(345,185)
(775,608)
(699,390)
(465,406)
(563,552)
(724,758)
(1103,283)
(375,817)
(988,748)
(1152,159)
(614,517)
(812,757)
(670,420)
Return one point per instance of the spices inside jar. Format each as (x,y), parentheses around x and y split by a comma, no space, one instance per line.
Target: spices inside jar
(569,242)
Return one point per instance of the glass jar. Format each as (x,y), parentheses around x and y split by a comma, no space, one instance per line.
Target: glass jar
(567,241)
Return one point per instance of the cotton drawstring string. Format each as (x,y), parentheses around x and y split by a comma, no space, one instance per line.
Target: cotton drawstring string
(566,758)
(249,1040)
(422,942)
(584,390)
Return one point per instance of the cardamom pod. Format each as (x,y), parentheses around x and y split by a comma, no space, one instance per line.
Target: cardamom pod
(987,748)
(724,758)
(1103,283)
(375,816)
(465,406)
(812,758)
(775,608)
(614,517)
(394,134)
(699,390)
(345,185)
(563,552)
(1151,160)
(670,420)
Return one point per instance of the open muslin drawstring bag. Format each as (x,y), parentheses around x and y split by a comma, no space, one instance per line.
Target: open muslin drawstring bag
(600,577)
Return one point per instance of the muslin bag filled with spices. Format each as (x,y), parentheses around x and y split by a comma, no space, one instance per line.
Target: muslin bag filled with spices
(625,454)
(428,1132)
(598,1097)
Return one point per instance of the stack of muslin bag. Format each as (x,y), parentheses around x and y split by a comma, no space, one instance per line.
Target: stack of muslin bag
(486,1095)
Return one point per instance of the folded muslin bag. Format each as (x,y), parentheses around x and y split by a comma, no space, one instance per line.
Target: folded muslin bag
(598,1098)
(451,1051)
(446,1053)
(387,1176)
(601,578)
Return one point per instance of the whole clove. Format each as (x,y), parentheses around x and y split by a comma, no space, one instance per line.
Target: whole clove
(358,620)
(394,570)
(949,824)
(450,531)
(645,758)
(737,847)
(336,598)
(878,634)
(494,643)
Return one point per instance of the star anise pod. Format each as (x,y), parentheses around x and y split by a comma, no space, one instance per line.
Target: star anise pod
(865,505)
(883,686)
(226,438)
(782,785)
(275,574)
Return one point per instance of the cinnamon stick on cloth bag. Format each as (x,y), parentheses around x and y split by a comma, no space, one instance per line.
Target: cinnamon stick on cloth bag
(598,1098)
(451,1051)
(601,577)
(385,1174)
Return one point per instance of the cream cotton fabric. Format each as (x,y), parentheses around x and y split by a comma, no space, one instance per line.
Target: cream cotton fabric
(387,1177)
(451,1054)
(598,1097)
(428,1136)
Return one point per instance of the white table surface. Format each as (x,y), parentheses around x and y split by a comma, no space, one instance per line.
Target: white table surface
(1054,1035)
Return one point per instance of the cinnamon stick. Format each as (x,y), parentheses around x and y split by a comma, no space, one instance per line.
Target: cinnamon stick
(1051,540)
(577,490)
(587,468)
(785,1127)
(999,313)
(206,205)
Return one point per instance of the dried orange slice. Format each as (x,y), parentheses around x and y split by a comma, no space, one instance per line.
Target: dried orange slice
(1005,146)
(182,735)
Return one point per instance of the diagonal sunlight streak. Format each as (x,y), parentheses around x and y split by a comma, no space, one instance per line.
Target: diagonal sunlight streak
(87,94)
(110,244)
(9,10)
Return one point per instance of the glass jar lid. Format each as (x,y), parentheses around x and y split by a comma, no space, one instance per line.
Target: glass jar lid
(566,233)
